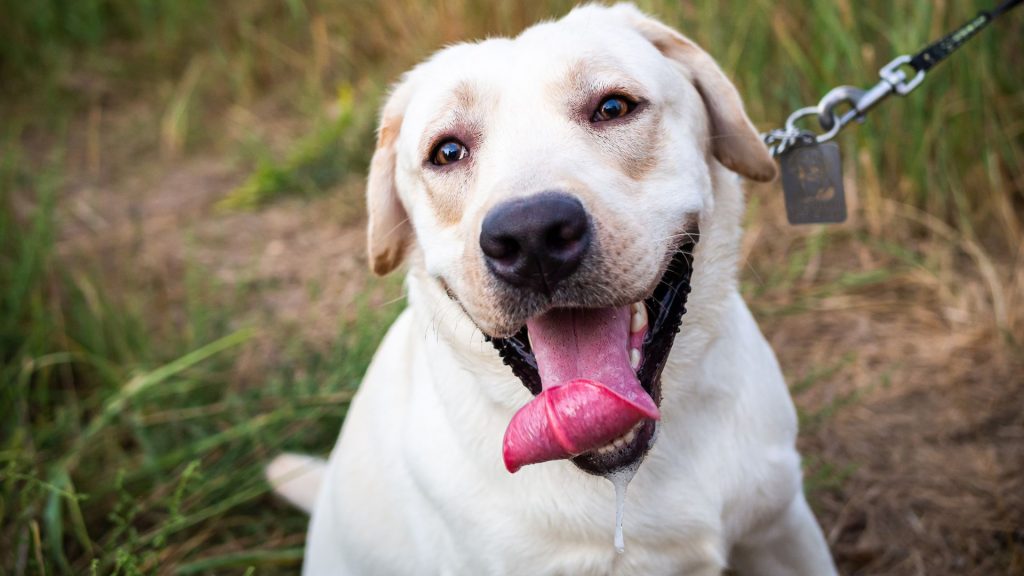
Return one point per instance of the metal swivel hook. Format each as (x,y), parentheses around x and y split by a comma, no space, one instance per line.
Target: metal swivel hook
(839,95)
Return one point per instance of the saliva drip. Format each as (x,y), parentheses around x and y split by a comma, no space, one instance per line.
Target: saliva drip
(620,480)
(620,507)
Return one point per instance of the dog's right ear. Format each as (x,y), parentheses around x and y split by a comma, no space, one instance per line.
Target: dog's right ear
(389,232)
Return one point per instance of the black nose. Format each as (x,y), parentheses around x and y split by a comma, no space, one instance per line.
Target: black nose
(537,241)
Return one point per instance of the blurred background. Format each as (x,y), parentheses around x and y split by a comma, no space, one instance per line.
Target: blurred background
(183,289)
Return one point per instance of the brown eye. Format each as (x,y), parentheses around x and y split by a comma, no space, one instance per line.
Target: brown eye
(448,152)
(611,108)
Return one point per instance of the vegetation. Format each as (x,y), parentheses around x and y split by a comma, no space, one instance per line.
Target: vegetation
(128,444)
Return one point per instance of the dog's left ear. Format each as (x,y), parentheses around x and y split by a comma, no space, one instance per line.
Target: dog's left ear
(734,140)
(389,232)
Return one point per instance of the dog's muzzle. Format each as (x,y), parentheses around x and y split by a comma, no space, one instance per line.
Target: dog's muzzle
(596,376)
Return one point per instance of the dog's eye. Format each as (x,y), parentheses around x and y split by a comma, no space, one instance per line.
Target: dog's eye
(612,107)
(448,152)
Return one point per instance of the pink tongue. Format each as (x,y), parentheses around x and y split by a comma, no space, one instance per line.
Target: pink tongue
(590,394)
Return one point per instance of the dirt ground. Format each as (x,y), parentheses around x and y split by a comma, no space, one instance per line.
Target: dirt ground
(913,404)
(930,454)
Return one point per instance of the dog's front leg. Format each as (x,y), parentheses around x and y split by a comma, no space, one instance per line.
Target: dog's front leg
(793,545)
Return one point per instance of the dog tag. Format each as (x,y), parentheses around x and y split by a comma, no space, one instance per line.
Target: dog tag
(812,180)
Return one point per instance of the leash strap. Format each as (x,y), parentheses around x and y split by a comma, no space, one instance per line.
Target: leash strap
(1005,7)
(926,59)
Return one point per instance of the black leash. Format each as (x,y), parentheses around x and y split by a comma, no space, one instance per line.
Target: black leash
(926,59)
(811,168)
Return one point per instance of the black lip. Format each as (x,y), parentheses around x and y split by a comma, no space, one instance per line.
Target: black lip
(665,309)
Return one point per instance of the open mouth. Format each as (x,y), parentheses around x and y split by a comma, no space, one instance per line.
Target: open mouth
(595,374)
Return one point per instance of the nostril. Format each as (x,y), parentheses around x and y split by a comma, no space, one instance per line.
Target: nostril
(501,248)
(566,235)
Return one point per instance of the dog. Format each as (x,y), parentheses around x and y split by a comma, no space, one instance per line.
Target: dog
(569,204)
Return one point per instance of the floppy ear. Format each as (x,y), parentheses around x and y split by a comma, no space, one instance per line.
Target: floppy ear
(389,232)
(734,140)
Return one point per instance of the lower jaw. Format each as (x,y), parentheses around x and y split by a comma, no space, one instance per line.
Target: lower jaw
(603,461)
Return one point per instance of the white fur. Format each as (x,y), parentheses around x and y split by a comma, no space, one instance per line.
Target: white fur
(297,478)
(416,485)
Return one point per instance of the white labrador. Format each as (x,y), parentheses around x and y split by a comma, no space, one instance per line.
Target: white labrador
(554,192)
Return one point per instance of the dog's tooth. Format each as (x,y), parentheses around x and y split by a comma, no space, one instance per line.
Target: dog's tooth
(639,319)
(621,442)
(634,358)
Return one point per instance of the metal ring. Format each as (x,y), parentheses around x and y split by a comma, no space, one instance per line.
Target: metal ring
(813,111)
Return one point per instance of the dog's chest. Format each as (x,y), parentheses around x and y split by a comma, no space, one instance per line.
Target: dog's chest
(547,519)
(558,545)
(563,522)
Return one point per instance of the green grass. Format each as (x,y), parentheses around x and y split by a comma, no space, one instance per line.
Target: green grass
(121,448)
(332,152)
(130,450)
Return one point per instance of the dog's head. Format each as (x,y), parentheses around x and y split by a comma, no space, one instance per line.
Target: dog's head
(554,184)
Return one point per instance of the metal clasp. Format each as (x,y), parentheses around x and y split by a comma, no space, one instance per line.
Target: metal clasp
(894,80)
(837,96)
(892,74)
